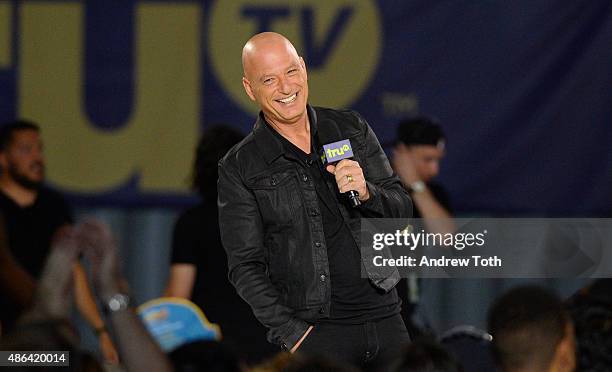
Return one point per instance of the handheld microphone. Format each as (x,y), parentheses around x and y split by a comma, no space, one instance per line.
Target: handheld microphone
(332,154)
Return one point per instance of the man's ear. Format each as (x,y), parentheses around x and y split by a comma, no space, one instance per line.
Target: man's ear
(247,88)
(303,64)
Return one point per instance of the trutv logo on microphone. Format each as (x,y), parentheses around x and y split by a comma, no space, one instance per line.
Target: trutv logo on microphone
(336,151)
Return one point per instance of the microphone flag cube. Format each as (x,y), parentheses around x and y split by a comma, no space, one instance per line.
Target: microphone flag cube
(336,151)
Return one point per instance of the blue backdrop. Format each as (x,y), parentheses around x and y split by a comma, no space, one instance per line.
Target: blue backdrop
(522,88)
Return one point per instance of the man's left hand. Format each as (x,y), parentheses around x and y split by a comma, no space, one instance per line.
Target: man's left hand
(349,176)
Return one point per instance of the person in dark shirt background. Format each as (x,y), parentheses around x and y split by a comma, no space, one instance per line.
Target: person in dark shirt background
(418,150)
(32,215)
(198,268)
(416,160)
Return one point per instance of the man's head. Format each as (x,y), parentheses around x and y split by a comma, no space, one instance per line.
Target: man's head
(275,78)
(532,331)
(591,312)
(426,356)
(21,154)
(425,141)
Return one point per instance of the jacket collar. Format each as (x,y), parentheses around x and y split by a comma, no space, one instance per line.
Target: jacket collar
(269,145)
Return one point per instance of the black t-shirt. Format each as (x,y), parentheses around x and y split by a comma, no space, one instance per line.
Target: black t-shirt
(197,240)
(29,232)
(354,299)
(31,228)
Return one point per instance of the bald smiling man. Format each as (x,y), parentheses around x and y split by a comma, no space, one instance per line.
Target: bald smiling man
(291,235)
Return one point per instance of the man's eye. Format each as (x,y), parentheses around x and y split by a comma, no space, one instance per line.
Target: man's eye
(268,81)
(292,71)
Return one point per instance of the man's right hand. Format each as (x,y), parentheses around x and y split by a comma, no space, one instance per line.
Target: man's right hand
(297,344)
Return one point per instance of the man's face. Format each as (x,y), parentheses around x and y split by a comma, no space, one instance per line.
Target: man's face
(23,160)
(426,160)
(276,79)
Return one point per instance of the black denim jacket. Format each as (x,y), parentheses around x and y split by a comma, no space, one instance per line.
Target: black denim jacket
(271,227)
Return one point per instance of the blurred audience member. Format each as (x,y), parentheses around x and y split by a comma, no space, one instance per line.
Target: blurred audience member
(416,160)
(210,356)
(532,331)
(16,284)
(298,362)
(45,326)
(275,363)
(50,335)
(591,311)
(427,356)
(418,150)
(198,269)
(471,347)
(137,349)
(33,213)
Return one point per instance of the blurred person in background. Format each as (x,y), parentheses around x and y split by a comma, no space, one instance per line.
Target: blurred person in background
(45,325)
(416,160)
(210,356)
(418,151)
(591,311)
(298,362)
(427,356)
(33,214)
(198,269)
(532,332)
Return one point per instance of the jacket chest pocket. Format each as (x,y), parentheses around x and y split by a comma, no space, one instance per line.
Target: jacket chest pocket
(278,196)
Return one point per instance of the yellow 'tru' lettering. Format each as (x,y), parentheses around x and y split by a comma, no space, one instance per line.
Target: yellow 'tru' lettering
(157,142)
(5,34)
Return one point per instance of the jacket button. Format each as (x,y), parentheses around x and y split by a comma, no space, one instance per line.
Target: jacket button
(321,311)
(314,213)
(323,277)
(273,181)
(305,178)
(317,244)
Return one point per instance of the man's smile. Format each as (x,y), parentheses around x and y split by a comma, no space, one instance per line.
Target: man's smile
(289,99)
